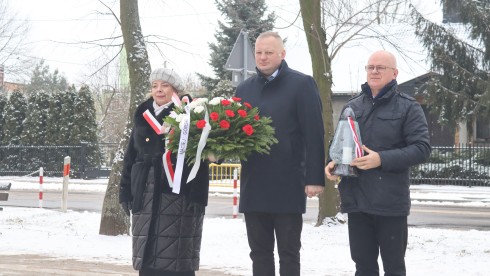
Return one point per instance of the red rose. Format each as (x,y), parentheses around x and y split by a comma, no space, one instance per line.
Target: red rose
(201,124)
(214,116)
(242,113)
(256,117)
(248,129)
(236,99)
(230,113)
(225,102)
(247,105)
(224,124)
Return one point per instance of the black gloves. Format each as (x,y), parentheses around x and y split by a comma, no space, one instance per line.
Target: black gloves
(196,208)
(127,206)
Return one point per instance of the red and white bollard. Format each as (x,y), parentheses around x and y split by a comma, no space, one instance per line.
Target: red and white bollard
(41,173)
(66,178)
(235,193)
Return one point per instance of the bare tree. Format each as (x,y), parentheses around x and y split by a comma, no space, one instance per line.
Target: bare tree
(12,48)
(321,63)
(112,108)
(111,96)
(113,220)
(351,22)
(329,26)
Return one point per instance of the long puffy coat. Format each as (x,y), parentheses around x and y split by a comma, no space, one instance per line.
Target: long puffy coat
(166,233)
(275,183)
(394,126)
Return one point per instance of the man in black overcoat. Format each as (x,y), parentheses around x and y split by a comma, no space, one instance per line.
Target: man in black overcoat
(274,187)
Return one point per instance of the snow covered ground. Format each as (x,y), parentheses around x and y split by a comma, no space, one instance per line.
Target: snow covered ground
(325,249)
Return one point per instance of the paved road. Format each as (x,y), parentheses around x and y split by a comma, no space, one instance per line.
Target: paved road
(78,201)
(454,217)
(446,216)
(442,216)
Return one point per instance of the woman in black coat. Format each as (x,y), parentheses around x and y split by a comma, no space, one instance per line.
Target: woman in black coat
(166,227)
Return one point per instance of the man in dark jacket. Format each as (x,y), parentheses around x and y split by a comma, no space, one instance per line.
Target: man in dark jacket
(274,187)
(395,136)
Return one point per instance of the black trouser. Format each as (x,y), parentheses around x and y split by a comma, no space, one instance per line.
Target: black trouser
(370,235)
(260,231)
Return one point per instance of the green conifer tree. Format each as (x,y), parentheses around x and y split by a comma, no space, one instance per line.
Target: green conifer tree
(461,87)
(66,121)
(34,132)
(14,116)
(53,132)
(43,79)
(85,126)
(3,104)
(35,127)
(53,136)
(249,15)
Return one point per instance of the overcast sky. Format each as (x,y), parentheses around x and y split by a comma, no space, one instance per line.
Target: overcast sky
(57,27)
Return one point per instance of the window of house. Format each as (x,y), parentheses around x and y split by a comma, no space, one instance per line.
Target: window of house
(483,128)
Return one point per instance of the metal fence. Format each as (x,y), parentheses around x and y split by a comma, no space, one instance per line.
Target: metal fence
(25,160)
(223,174)
(462,165)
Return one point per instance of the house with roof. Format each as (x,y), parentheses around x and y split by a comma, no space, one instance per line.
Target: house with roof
(440,134)
(414,74)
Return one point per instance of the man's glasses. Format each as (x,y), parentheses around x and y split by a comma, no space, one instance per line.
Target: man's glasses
(379,68)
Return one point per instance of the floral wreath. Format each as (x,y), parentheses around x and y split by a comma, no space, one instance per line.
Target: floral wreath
(234,129)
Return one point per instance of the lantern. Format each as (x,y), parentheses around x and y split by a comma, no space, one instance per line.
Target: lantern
(346,144)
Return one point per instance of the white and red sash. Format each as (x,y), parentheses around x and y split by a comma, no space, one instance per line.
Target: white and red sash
(155,125)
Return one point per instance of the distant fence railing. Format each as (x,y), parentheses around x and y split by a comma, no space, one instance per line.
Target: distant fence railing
(85,162)
(222,175)
(462,165)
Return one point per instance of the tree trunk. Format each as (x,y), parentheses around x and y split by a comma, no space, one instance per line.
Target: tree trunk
(322,73)
(113,220)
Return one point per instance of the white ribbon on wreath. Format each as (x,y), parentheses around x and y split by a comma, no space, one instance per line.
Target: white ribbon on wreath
(174,179)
